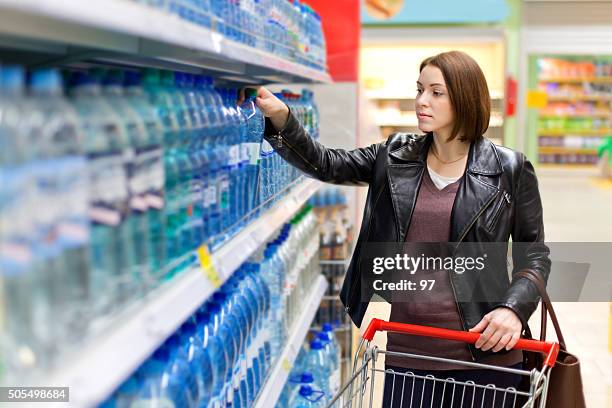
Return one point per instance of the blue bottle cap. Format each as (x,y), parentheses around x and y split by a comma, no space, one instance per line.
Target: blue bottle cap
(316,345)
(305,390)
(307,377)
(46,80)
(323,337)
(12,78)
(327,327)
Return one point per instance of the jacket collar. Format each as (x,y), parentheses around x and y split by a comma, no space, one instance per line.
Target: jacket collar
(482,156)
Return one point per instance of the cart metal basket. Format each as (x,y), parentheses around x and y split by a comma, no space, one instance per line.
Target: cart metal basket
(429,391)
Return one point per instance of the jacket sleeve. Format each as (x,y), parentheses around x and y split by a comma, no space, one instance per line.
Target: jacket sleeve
(337,166)
(528,248)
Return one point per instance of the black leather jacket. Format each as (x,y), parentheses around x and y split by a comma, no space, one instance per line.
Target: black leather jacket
(498,197)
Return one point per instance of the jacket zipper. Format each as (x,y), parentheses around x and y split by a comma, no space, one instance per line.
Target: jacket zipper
(498,210)
(280,140)
(461,317)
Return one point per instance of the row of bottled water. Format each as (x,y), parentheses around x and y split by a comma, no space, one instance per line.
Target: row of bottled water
(315,376)
(221,356)
(108,182)
(287,28)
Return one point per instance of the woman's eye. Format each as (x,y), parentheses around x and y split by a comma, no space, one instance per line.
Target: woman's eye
(419,91)
(438,93)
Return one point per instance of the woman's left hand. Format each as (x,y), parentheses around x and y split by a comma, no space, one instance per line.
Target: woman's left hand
(500,328)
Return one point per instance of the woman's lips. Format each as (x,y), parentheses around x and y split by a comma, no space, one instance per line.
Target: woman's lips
(423,116)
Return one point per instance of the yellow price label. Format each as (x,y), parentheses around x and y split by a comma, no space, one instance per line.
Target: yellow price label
(286,365)
(208,269)
(536,99)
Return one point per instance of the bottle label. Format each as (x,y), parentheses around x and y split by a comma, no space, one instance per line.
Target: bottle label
(266,149)
(108,189)
(254,152)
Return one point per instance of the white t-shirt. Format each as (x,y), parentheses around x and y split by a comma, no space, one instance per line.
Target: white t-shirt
(440,181)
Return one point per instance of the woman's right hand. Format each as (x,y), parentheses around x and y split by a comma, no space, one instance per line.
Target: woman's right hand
(270,106)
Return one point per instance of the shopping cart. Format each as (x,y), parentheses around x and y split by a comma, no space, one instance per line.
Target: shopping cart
(429,391)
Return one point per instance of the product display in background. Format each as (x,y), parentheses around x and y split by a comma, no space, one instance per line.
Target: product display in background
(136,170)
(222,355)
(288,29)
(336,243)
(577,115)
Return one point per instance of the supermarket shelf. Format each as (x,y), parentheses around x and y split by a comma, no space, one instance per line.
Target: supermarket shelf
(278,377)
(570,98)
(565,150)
(598,80)
(334,261)
(129,32)
(599,114)
(567,135)
(145,325)
(567,132)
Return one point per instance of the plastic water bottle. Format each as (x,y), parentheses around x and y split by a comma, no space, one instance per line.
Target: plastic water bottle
(150,157)
(62,183)
(135,170)
(307,397)
(293,385)
(112,244)
(161,98)
(17,235)
(333,360)
(198,358)
(159,387)
(318,364)
(255,124)
(218,354)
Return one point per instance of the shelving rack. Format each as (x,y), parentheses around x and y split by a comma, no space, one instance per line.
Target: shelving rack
(129,33)
(76,33)
(577,111)
(98,368)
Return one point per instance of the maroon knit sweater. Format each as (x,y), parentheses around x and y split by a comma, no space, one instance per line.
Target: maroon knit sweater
(431,222)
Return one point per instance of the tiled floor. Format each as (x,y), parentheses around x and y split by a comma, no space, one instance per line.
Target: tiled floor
(577,208)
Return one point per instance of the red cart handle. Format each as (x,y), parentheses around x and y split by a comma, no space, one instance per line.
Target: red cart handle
(551,349)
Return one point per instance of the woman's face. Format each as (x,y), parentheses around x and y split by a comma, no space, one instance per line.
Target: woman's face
(433,106)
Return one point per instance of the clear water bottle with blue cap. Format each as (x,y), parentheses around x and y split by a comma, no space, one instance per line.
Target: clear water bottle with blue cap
(255,124)
(333,360)
(317,362)
(197,360)
(307,397)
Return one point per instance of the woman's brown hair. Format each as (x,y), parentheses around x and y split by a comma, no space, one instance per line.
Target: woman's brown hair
(468,92)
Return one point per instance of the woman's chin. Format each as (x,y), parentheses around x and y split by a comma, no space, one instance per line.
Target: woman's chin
(425,128)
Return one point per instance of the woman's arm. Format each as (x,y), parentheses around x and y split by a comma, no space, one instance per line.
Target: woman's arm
(292,143)
(501,328)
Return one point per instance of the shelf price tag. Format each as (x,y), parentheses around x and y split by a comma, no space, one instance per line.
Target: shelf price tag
(536,99)
(208,269)
(286,365)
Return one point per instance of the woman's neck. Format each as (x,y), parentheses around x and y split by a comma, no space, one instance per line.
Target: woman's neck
(448,158)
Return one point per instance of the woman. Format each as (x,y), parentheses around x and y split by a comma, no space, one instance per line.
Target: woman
(449,185)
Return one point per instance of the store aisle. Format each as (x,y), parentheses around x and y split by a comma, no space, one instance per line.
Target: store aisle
(574,211)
